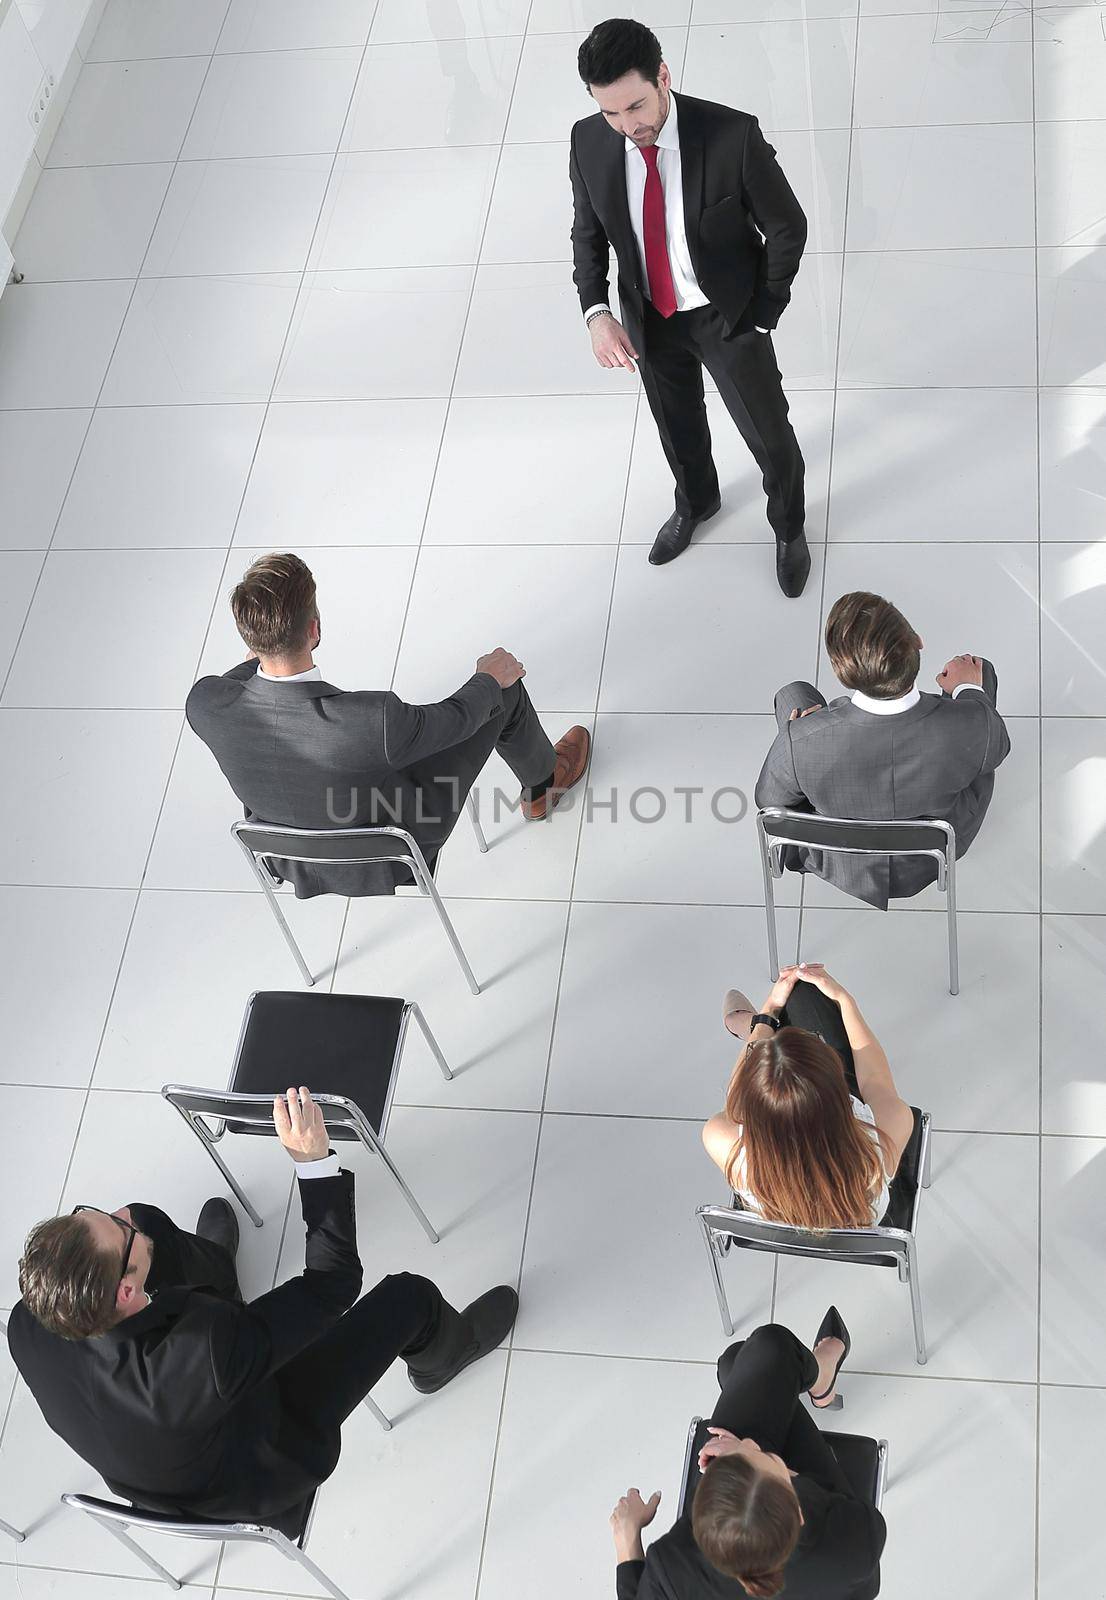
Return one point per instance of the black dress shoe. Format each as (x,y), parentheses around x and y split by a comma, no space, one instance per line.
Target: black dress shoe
(792,565)
(483,1326)
(675,536)
(218,1225)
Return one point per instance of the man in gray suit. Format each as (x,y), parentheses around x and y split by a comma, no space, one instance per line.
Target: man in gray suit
(301,753)
(887,751)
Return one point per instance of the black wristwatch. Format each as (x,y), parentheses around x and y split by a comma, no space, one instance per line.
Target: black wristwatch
(765,1016)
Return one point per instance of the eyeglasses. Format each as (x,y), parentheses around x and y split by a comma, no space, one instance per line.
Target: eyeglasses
(130,1232)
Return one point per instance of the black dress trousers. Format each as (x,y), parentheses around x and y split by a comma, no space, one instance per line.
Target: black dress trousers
(743,366)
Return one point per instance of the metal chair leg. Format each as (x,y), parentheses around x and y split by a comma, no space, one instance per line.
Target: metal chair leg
(384,1420)
(920,1354)
(927,1141)
(474,814)
(950,906)
(263,880)
(430,888)
(375,1145)
(719,1287)
(143,1555)
(232,1182)
(13,1533)
(416,1012)
(305,1561)
(770,911)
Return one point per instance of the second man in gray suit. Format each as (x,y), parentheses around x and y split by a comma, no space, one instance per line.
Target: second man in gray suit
(886,751)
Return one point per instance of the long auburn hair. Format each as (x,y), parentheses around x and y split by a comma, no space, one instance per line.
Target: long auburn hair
(808,1161)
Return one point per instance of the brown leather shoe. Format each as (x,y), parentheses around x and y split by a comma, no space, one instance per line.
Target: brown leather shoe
(572,751)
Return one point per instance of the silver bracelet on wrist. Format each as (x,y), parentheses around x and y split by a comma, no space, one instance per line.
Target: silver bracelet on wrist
(604,312)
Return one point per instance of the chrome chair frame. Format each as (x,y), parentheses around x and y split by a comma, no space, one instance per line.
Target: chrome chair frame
(196,1105)
(117,1519)
(406,853)
(748,1231)
(771,861)
(5,1527)
(696,1422)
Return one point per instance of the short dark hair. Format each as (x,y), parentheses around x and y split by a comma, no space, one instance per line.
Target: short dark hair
(274,605)
(871,646)
(616,47)
(67,1280)
(746,1522)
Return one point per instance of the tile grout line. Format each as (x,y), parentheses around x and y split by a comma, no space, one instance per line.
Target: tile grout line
(1040,820)
(560,980)
(138,889)
(153,834)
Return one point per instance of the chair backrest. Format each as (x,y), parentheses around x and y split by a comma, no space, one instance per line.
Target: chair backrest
(347,846)
(254,1112)
(856,837)
(881,1246)
(163,1522)
(862,1460)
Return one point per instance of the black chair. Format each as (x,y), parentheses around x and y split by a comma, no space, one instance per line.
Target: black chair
(892,1242)
(350,1045)
(862,1460)
(778,828)
(289,1539)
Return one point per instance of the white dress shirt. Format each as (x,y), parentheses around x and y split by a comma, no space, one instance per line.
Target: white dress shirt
(689,294)
(310,676)
(891,708)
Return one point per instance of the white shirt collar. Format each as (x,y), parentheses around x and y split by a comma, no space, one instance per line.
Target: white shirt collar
(669,136)
(887,708)
(312,675)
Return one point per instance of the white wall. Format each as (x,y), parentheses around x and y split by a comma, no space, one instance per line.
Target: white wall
(37,37)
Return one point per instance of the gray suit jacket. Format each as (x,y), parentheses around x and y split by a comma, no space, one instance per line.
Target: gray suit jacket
(936,760)
(309,755)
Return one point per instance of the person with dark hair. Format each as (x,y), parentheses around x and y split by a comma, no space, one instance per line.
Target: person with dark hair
(813,1128)
(772,1512)
(134,1339)
(885,752)
(708,236)
(301,753)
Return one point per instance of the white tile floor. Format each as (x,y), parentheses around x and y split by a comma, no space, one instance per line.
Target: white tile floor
(232,337)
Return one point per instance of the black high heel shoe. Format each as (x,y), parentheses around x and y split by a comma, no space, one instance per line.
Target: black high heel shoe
(833,1327)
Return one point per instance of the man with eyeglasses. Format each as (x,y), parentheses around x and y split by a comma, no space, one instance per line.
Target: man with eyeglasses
(133,1337)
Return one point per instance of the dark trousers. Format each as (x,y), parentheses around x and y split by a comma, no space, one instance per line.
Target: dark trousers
(809,1008)
(447,777)
(676,349)
(404,1315)
(761,1379)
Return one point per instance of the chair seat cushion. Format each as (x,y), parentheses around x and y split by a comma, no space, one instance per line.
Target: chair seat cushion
(334,1043)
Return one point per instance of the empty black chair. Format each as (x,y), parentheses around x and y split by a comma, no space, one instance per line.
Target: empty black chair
(349,1045)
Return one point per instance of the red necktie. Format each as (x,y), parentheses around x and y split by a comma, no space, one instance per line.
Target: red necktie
(657,265)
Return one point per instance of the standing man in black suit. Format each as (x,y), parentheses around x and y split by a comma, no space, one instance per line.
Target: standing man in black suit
(133,1337)
(708,237)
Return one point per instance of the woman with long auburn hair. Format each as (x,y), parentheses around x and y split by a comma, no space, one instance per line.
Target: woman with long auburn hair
(813,1127)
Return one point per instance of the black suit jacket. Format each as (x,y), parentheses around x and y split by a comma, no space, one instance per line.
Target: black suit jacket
(309,755)
(836,1558)
(745,228)
(179,1408)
